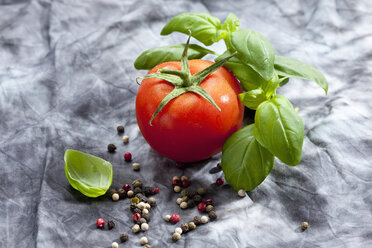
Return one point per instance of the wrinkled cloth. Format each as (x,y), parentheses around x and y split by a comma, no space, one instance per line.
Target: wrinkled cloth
(67,80)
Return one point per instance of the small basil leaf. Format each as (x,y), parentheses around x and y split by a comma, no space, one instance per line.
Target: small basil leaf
(245,162)
(293,68)
(253,50)
(155,56)
(269,87)
(203,27)
(231,24)
(280,129)
(89,174)
(283,80)
(252,98)
(249,79)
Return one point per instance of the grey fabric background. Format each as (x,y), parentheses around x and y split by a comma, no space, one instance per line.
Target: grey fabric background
(67,80)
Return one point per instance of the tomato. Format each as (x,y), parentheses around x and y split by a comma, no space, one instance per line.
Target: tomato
(189,128)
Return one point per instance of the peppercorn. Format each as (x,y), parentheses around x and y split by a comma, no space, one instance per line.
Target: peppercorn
(202,206)
(136,228)
(148,246)
(192,194)
(136,166)
(120,129)
(124,237)
(208,201)
(114,245)
(135,200)
(202,191)
(176,237)
(178,230)
(125,138)
(179,165)
(183,205)
(137,190)
(100,223)
(197,220)
(241,193)
(176,178)
(147,191)
(142,197)
(197,199)
(177,189)
(128,156)
(304,225)
(141,221)
(144,227)
(111,192)
(111,148)
(185,183)
(152,201)
(212,215)
(184,178)
(130,193)
(145,211)
(146,216)
(185,192)
(141,205)
(154,191)
(179,200)
(192,226)
(185,227)
(122,194)
(137,184)
(110,224)
(190,203)
(167,217)
(209,208)
(136,217)
(176,182)
(143,241)
(127,187)
(137,210)
(115,197)
(175,218)
(204,219)
(184,198)
(220,181)
(148,206)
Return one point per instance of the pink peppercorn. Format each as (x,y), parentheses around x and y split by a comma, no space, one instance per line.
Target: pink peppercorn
(175,218)
(154,191)
(202,206)
(185,183)
(208,201)
(127,187)
(176,182)
(136,217)
(219,181)
(128,156)
(100,223)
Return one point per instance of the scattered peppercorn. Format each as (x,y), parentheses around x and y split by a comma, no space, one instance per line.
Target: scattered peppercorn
(154,191)
(152,201)
(192,194)
(143,241)
(120,129)
(148,246)
(142,197)
(115,197)
(175,218)
(145,211)
(114,245)
(146,216)
(136,166)
(125,138)
(304,225)
(111,192)
(127,187)
(147,206)
(185,183)
(110,224)
(124,237)
(192,226)
(212,215)
(178,230)
(137,210)
(184,178)
(179,200)
(185,192)
(197,220)
(202,206)
(137,184)
(130,193)
(141,221)
(176,177)
(202,191)
(209,208)
(147,191)
(136,228)
(111,148)
(190,203)
(177,189)
(185,227)
(183,205)
(100,223)
(122,193)
(128,156)
(176,182)
(144,227)
(135,200)
(220,181)
(136,217)
(141,205)
(176,237)
(241,193)
(204,219)
(197,199)
(167,217)
(184,198)
(208,201)
(137,190)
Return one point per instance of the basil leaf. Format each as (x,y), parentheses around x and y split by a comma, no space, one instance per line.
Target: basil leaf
(269,87)
(245,162)
(253,50)
(89,174)
(155,56)
(203,27)
(293,68)
(283,80)
(280,129)
(253,98)
(249,79)
(231,24)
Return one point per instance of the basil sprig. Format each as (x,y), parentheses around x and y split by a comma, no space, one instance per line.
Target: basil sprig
(248,155)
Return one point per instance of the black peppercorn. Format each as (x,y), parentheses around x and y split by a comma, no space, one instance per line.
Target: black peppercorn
(124,237)
(142,198)
(122,193)
(185,227)
(212,215)
(141,221)
(111,148)
(197,199)
(190,203)
(120,129)
(137,190)
(146,216)
(111,192)
(110,224)
(147,191)
(197,220)
(137,184)
(137,210)
(192,194)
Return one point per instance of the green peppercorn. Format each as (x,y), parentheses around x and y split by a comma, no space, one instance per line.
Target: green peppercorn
(137,184)
(122,193)
(152,201)
(111,148)
(212,215)
(304,225)
(197,220)
(190,203)
(202,191)
(197,199)
(124,237)
(110,224)
(209,208)
(135,200)
(192,226)
(185,198)
(185,227)
(185,192)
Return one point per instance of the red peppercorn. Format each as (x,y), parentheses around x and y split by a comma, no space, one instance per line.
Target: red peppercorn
(176,182)
(136,217)
(154,191)
(128,156)
(179,165)
(175,218)
(208,201)
(127,187)
(100,223)
(202,206)
(219,181)
(185,183)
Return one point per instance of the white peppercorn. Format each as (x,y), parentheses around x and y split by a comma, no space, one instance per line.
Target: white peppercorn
(241,193)
(183,178)
(147,206)
(130,193)
(141,205)
(125,138)
(145,211)
(114,245)
(176,237)
(183,205)
(136,228)
(178,230)
(204,219)
(115,196)
(177,189)
(143,241)
(136,166)
(167,217)
(179,200)
(144,227)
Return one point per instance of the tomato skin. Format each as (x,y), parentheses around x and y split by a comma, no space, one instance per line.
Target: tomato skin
(189,128)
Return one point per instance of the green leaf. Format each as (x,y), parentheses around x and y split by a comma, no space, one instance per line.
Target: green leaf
(245,162)
(155,56)
(249,79)
(231,24)
(203,27)
(293,68)
(280,129)
(253,50)
(89,174)
(269,87)
(252,98)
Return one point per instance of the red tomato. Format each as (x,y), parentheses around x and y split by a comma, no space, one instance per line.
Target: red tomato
(189,128)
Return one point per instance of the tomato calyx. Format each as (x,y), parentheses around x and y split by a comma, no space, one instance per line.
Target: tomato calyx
(184,82)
